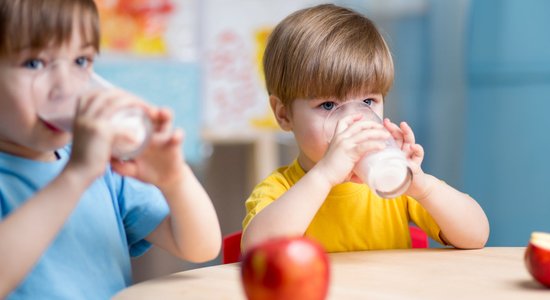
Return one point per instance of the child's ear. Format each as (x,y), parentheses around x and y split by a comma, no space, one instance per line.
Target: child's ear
(281,112)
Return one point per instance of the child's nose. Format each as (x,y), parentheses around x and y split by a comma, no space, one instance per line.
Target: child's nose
(348,110)
(63,80)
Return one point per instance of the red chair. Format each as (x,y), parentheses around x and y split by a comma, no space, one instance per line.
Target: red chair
(231,247)
(419,239)
(231,244)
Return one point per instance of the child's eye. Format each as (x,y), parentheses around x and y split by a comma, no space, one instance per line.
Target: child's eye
(368,101)
(327,105)
(34,64)
(83,61)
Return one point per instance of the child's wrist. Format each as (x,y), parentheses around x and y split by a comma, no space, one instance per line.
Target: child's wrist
(322,175)
(422,186)
(77,177)
(175,181)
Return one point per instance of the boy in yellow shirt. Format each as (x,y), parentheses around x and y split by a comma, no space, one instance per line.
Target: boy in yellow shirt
(315,60)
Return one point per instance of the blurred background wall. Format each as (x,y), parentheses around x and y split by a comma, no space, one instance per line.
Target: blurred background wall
(507,145)
(472,79)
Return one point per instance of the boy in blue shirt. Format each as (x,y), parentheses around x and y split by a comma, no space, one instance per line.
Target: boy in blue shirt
(71,216)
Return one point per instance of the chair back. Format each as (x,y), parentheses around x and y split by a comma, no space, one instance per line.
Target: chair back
(231,244)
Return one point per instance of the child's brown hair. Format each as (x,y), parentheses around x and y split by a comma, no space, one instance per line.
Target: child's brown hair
(37,24)
(326,51)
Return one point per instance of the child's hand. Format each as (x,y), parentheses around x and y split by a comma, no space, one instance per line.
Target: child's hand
(92,131)
(161,163)
(353,138)
(404,137)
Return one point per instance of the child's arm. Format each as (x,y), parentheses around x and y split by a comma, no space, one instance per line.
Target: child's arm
(292,213)
(191,231)
(462,221)
(28,231)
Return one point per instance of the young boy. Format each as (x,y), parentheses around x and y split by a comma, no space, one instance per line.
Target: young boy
(315,60)
(69,220)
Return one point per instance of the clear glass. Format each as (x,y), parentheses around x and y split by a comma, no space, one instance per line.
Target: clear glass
(386,171)
(57,88)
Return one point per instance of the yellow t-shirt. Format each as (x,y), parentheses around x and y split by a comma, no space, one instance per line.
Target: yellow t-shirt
(352,218)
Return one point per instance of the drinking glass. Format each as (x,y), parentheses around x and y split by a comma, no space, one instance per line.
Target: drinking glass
(57,89)
(386,171)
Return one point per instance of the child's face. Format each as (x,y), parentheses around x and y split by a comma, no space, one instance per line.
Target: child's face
(307,119)
(22,132)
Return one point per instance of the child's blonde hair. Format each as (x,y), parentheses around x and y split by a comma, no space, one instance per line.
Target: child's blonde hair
(326,51)
(37,24)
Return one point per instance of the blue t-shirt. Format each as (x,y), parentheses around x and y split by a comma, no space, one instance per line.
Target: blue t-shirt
(90,257)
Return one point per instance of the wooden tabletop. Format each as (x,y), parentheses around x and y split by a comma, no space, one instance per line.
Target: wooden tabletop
(489,273)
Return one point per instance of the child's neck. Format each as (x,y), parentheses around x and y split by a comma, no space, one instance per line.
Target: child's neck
(20,151)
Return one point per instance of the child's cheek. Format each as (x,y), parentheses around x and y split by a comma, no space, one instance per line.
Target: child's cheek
(314,145)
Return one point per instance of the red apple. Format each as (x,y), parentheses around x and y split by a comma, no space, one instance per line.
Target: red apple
(537,257)
(286,268)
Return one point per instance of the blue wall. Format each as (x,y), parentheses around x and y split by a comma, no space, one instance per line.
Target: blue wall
(507,152)
(163,82)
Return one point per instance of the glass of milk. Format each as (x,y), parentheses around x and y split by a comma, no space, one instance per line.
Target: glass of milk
(386,171)
(57,107)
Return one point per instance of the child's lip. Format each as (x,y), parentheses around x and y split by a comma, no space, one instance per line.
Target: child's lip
(51,127)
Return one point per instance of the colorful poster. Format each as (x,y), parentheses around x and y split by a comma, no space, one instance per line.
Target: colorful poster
(234,34)
(157,28)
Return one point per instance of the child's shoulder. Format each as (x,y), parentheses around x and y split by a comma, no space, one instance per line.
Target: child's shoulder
(287,175)
(16,170)
(280,180)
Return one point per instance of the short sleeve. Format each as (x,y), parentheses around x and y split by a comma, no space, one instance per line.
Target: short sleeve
(263,194)
(420,216)
(143,208)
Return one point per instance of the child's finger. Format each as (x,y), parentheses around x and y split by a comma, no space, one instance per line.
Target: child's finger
(163,127)
(168,138)
(101,105)
(408,134)
(84,101)
(395,131)
(417,153)
(361,126)
(177,136)
(346,122)
(371,146)
(163,120)
(99,101)
(369,135)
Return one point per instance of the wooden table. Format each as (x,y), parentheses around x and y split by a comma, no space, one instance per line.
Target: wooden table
(490,273)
